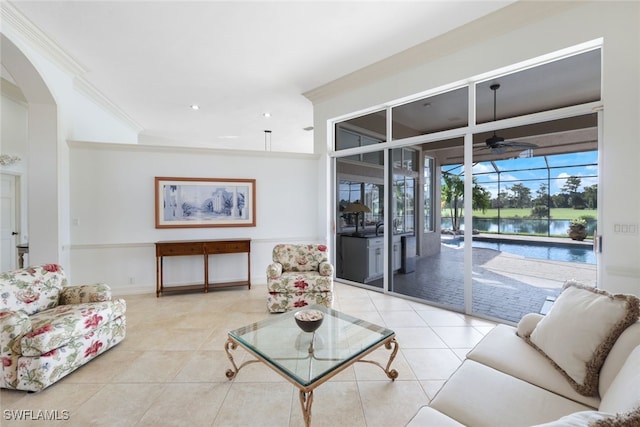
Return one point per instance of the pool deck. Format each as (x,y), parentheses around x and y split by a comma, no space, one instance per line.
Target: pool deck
(564,241)
(505,286)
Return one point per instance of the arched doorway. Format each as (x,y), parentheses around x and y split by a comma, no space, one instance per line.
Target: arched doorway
(41,176)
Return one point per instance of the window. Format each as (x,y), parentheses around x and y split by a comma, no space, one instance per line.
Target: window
(428,194)
(404,181)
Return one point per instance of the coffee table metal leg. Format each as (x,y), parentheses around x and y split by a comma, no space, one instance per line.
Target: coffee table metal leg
(232,345)
(391,373)
(306,400)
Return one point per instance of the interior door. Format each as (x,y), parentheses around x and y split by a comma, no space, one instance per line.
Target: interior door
(8,223)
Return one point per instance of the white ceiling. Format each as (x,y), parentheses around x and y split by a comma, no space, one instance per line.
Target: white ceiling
(235,59)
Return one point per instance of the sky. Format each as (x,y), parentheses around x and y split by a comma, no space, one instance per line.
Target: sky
(513,171)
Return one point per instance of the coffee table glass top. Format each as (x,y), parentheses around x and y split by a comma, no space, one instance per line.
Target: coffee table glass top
(308,357)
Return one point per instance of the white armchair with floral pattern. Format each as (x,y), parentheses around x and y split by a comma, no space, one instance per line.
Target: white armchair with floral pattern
(49,329)
(300,275)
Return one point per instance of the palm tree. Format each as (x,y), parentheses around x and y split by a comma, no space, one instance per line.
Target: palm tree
(453,192)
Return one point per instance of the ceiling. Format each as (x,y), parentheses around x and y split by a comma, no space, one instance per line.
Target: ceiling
(566,82)
(235,59)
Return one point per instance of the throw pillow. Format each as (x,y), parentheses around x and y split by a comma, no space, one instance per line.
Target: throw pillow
(579,331)
(578,419)
(628,419)
(595,419)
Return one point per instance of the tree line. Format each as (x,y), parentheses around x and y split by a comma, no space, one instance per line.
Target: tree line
(517,196)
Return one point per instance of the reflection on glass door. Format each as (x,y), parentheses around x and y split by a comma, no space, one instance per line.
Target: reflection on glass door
(430,265)
(360,209)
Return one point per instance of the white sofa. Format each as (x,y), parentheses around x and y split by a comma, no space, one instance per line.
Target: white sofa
(506,381)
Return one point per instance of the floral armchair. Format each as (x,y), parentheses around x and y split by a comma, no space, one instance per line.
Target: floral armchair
(49,329)
(300,275)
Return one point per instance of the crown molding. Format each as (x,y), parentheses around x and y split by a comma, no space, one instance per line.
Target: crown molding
(38,39)
(175,149)
(51,50)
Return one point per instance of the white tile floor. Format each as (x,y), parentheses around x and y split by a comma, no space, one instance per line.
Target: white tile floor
(170,369)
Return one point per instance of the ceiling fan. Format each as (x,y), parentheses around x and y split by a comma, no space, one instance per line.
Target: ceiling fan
(497,144)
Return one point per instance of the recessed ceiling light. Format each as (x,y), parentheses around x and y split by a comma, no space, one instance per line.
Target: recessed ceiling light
(194,107)
(266,114)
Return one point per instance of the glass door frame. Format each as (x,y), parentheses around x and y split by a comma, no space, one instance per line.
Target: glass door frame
(467,133)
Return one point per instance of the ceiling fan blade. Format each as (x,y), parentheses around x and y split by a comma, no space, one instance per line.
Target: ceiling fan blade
(519,144)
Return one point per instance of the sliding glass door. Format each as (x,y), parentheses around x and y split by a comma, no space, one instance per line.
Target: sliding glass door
(432,194)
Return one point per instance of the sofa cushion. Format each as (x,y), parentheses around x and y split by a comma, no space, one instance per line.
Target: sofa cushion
(428,416)
(629,340)
(310,282)
(36,373)
(580,330)
(85,293)
(13,325)
(279,302)
(624,393)
(480,396)
(32,289)
(300,257)
(504,350)
(56,327)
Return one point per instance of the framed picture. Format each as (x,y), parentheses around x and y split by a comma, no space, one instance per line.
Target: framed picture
(205,202)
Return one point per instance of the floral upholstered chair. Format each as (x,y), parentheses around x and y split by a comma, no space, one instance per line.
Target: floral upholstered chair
(49,329)
(300,275)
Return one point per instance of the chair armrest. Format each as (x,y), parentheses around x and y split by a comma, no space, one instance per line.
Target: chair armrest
(326,269)
(274,270)
(528,323)
(85,293)
(13,326)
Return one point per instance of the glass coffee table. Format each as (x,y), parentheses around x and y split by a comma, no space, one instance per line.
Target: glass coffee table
(308,359)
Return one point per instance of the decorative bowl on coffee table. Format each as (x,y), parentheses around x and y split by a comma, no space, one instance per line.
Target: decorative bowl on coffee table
(309,320)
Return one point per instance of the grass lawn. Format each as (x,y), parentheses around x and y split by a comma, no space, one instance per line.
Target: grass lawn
(560,213)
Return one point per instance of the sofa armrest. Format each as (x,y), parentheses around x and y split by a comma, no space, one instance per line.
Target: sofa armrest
(528,323)
(326,269)
(13,326)
(274,270)
(85,293)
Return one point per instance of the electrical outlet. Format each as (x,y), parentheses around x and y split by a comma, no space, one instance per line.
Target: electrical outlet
(132,280)
(631,229)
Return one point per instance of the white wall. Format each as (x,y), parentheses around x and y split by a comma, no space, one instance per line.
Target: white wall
(61,106)
(517,33)
(113,223)
(13,141)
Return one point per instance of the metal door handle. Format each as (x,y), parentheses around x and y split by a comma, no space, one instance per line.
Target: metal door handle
(14,233)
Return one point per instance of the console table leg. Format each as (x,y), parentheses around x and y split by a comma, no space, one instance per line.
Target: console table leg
(306,400)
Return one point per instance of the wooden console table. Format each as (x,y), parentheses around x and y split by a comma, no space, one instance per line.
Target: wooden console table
(22,249)
(204,248)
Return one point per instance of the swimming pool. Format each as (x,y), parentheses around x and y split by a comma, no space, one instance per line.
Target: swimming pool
(542,250)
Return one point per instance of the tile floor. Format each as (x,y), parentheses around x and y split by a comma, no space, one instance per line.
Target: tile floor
(170,369)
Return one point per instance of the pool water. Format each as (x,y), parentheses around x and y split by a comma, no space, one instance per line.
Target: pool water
(547,251)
